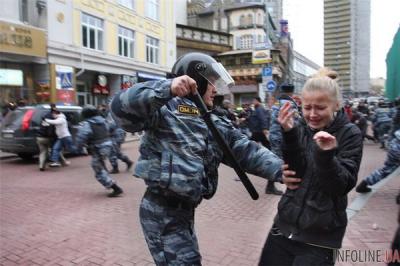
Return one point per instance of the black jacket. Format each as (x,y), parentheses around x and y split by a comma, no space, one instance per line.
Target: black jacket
(45,129)
(259,119)
(315,213)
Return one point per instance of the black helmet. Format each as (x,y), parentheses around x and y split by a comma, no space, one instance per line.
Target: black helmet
(203,69)
(89,111)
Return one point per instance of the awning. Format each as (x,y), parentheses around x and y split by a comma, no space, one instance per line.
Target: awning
(148,76)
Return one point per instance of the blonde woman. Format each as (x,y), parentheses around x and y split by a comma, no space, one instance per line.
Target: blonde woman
(322,155)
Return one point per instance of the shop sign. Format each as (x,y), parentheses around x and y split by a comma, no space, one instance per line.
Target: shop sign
(21,39)
(43,90)
(146,76)
(65,92)
(66,97)
(64,77)
(261,57)
(11,77)
(101,87)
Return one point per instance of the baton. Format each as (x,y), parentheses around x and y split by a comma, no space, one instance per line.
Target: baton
(206,115)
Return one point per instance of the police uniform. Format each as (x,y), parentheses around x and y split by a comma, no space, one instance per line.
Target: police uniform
(94,133)
(392,161)
(179,161)
(382,123)
(117,135)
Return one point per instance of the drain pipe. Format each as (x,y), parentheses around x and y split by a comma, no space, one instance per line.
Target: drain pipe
(82,67)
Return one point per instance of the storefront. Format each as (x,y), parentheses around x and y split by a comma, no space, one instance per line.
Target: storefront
(94,87)
(24,72)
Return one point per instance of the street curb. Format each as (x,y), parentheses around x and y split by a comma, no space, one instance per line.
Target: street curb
(361,200)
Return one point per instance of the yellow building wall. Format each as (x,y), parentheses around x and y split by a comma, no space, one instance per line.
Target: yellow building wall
(114,14)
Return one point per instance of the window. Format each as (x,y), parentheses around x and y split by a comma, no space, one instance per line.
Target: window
(231,62)
(242,20)
(152,50)
(249,20)
(245,61)
(24,11)
(246,42)
(92,32)
(127,3)
(152,9)
(126,42)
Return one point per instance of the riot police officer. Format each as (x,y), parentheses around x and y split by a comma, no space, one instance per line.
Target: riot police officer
(94,133)
(179,157)
(382,121)
(117,135)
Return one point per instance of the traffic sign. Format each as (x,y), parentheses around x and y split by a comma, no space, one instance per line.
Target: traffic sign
(267,71)
(271,85)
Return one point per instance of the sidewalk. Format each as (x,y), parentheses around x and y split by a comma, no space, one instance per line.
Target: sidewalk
(372,229)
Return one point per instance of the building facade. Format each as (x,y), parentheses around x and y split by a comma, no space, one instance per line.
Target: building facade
(254,34)
(96,47)
(347,43)
(23,53)
(274,8)
(303,68)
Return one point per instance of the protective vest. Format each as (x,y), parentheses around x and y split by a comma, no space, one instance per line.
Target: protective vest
(100,133)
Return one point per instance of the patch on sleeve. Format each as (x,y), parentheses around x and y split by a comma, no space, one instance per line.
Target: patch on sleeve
(187,109)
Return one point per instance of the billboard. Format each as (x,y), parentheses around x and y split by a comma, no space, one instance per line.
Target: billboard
(261,57)
(65,92)
(11,77)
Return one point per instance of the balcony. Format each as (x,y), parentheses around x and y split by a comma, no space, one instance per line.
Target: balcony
(203,39)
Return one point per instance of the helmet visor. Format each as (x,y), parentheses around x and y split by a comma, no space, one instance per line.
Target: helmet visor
(217,76)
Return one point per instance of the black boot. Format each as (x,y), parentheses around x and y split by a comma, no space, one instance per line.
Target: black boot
(363,187)
(114,170)
(129,165)
(116,191)
(271,189)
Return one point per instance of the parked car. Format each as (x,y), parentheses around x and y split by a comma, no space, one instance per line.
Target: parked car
(19,128)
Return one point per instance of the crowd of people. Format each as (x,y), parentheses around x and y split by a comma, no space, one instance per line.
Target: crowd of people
(311,142)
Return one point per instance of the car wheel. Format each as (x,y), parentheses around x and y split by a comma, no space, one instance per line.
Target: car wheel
(25,156)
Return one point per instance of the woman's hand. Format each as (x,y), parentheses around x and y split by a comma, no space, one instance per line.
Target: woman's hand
(325,141)
(288,178)
(286,117)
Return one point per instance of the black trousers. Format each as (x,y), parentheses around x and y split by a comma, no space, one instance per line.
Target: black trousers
(279,250)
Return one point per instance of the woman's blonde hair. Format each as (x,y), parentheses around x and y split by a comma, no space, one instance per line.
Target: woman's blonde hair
(325,80)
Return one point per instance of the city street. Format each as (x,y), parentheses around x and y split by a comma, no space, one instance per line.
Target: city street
(63,217)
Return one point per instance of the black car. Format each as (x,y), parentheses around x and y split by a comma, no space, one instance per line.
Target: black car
(19,128)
